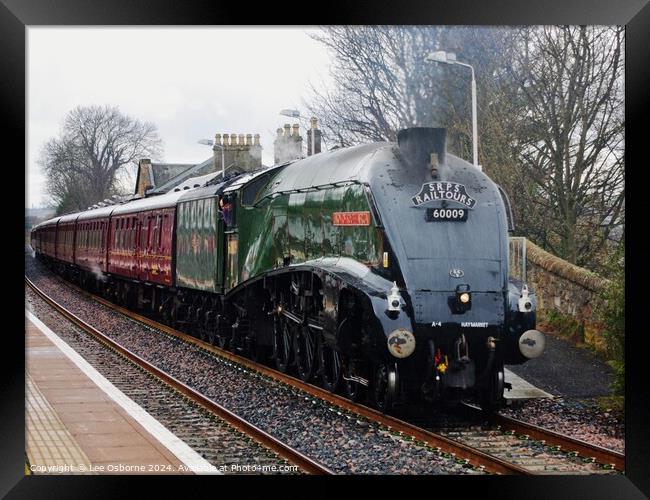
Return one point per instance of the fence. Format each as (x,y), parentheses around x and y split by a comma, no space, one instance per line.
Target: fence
(517,262)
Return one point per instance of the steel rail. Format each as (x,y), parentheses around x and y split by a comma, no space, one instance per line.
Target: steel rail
(461,451)
(599,454)
(295,457)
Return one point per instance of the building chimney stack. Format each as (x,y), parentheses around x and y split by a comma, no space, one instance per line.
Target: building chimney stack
(239,151)
(313,137)
(288,144)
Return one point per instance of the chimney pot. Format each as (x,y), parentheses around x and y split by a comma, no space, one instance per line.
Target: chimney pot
(249,139)
(296,132)
(241,139)
(233,139)
(257,139)
(225,139)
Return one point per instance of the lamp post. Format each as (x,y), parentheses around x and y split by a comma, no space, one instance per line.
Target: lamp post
(210,142)
(450,58)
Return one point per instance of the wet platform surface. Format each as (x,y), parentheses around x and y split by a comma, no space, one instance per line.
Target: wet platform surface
(76,426)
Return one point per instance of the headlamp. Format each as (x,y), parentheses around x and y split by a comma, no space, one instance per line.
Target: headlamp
(463,300)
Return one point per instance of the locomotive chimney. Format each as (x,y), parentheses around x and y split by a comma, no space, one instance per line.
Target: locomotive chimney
(418,144)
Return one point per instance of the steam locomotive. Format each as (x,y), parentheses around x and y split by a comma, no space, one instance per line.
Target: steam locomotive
(378,270)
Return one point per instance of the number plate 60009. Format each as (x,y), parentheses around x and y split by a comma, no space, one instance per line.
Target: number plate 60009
(446,214)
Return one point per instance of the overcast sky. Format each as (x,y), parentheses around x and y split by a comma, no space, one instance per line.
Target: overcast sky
(190,82)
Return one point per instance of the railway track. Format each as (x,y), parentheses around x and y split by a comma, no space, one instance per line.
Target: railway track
(499,447)
(608,458)
(293,456)
(539,450)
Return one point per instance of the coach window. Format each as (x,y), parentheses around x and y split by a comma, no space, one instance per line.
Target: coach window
(160,222)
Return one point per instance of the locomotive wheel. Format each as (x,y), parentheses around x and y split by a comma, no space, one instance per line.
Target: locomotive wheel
(212,336)
(221,339)
(384,387)
(330,372)
(282,351)
(305,352)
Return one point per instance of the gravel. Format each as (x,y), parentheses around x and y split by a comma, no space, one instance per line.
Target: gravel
(577,378)
(580,419)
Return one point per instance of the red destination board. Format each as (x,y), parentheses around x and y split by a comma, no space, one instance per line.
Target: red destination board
(351,218)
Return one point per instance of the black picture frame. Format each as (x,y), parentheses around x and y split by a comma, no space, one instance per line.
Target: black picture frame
(17,15)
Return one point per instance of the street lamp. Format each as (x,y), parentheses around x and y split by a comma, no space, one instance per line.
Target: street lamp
(450,58)
(294,113)
(210,142)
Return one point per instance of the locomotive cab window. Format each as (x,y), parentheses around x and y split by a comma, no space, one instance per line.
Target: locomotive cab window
(227,210)
(250,193)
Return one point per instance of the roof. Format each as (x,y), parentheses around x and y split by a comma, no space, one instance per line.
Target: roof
(160,173)
(163,172)
(153,202)
(96,213)
(199,169)
(195,182)
(69,218)
(49,222)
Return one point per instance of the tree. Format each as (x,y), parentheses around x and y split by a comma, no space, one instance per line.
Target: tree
(570,140)
(95,144)
(382,83)
(550,115)
(612,314)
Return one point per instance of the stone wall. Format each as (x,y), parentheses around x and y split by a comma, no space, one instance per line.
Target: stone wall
(569,290)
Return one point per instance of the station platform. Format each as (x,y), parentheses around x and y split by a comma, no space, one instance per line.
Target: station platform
(521,389)
(77,422)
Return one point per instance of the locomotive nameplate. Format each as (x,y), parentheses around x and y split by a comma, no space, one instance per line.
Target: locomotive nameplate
(351,218)
(446,214)
(443,191)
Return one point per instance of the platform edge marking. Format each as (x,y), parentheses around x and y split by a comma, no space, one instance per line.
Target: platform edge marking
(190,458)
